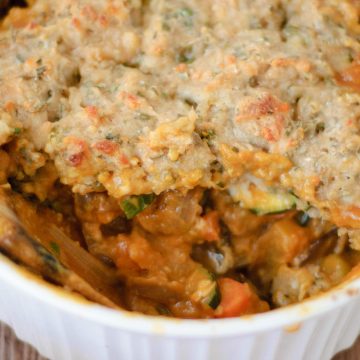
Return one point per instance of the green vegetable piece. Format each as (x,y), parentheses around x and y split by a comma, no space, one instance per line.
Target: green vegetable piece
(163,310)
(215,298)
(55,248)
(17,131)
(133,205)
(207,134)
(49,260)
(273,203)
(186,12)
(204,288)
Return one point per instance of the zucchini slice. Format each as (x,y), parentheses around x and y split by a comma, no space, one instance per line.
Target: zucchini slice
(203,288)
(264,202)
(135,204)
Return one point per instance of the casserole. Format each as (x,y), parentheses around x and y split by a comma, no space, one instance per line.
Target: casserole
(163,159)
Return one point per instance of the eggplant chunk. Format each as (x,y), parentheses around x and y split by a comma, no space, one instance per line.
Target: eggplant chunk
(214,257)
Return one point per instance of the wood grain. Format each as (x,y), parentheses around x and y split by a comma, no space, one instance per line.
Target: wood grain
(11,348)
(351,354)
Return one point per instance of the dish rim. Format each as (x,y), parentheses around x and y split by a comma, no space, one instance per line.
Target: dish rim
(289,318)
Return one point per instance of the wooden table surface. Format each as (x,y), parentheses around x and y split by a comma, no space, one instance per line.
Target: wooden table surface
(13,349)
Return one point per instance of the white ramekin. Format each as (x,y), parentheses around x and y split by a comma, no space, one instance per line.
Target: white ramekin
(66,327)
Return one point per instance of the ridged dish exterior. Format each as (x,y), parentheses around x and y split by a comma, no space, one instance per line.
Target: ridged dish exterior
(62,336)
(59,335)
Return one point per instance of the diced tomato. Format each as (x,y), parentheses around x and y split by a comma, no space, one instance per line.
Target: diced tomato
(268,105)
(77,148)
(92,111)
(268,134)
(76,22)
(76,159)
(131,99)
(273,133)
(124,160)
(181,68)
(231,59)
(106,146)
(33,25)
(9,106)
(235,298)
(103,21)
(350,122)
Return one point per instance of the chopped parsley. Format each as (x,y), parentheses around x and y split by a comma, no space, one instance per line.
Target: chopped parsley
(133,205)
(207,135)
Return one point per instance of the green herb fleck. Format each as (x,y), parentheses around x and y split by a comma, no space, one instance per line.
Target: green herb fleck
(240,53)
(25,154)
(111,136)
(185,55)
(164,95)
(216,298)
(40,71)
(133,205)
(55,248)
(48,259)
(207,134)
(253,81)
(17,131)
(144,117)
(291,30)
(19,58)
(163,310)
(216,166)
(165,26)
(186,12)
(221,185)
(320,127)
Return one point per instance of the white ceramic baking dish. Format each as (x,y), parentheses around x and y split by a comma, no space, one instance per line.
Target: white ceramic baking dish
(66,327)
